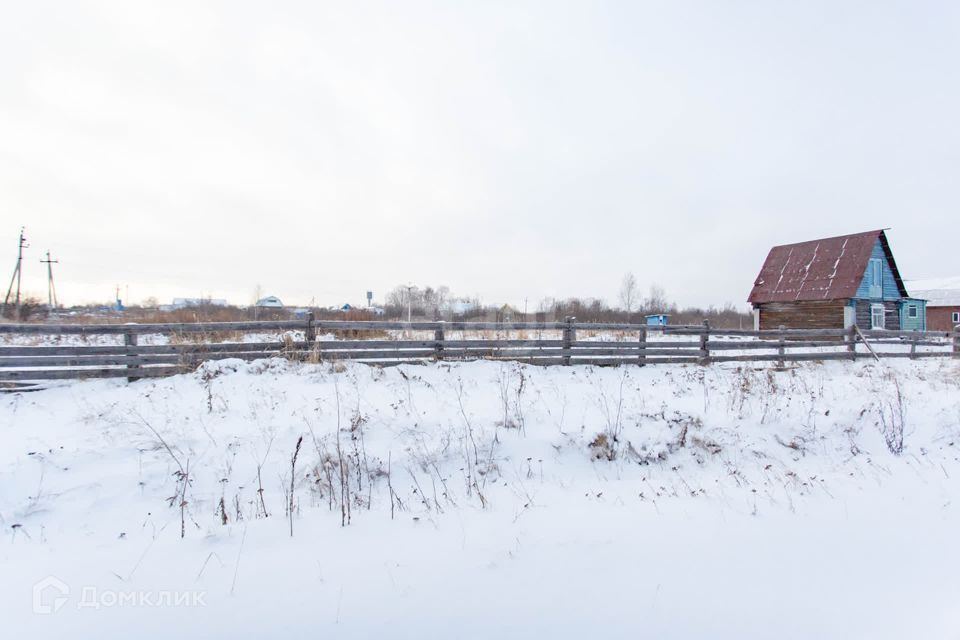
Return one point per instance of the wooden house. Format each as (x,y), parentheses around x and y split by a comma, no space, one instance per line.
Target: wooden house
(943,302)
(834,283)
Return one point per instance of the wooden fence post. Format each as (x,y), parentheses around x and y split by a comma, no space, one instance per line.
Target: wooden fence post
(956,341)
(705,343)
(569,337)
(782,350)
(852,342)
(643,347)
(913,347)
(310,335)
(130,339)
(438,337)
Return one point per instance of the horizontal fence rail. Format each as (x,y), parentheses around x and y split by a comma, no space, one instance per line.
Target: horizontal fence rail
(552,343)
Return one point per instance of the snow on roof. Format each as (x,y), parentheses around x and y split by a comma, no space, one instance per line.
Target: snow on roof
(938,292)
(269,301)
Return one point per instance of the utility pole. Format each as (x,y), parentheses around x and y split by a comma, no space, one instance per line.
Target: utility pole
(409,294)
(16,275)
(51,289)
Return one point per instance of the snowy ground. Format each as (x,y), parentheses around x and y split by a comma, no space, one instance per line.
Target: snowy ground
(666,502)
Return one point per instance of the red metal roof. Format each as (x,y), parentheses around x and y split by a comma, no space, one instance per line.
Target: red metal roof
(826,269)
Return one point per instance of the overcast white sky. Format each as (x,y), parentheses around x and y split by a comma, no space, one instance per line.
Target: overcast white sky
(505,149)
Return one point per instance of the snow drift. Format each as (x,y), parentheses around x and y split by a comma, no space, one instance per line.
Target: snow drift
(479,499)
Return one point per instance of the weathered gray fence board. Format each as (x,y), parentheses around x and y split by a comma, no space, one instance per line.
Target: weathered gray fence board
(67,374)
(117,350)
(906,342)
(634,344)
(425,344)
(11,352)
(362,354)
(719,345)
(159,328)
(788,357)
(93,361)
(775,333)
(326,345)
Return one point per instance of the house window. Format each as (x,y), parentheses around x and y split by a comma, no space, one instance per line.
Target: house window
(956,317)
(877,316)
(912,311)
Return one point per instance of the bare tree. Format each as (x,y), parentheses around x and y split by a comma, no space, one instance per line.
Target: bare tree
(628,292)
(657,300)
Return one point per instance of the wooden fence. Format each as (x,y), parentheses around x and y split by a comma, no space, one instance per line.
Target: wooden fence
(185,345)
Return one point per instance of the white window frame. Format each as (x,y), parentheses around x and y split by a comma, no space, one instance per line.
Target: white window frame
(955,317)
(913,311)
(877,310)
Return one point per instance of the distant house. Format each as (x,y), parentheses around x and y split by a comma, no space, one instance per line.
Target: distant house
(271,302)
(943,301)
(834,283)
(506,313)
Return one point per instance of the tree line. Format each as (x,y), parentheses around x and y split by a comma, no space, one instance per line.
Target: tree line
(438,302)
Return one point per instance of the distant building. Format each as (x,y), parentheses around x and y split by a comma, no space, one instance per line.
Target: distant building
(658,320)
(834,283)
(270,302)
(460,307)
(943,301)
(183,303)
(506,313)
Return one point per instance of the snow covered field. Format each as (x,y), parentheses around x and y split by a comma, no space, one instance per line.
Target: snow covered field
(486,500)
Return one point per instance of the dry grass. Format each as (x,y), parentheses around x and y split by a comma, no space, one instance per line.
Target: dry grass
(601,448)
(206,337)
(357,315)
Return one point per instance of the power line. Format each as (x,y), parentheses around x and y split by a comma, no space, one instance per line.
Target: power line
(21,245)
(51,289)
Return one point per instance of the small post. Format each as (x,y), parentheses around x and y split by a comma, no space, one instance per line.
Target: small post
(913,346)
(956,341)
(130,340)
(781,350)
(569,337)
(852,342)
(438,337)
(642,360)
(310,334)
(705,343)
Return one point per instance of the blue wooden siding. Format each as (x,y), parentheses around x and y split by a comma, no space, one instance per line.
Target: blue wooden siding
(918,323)
(889,287)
